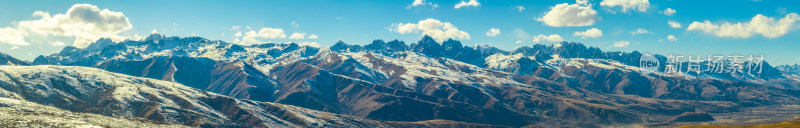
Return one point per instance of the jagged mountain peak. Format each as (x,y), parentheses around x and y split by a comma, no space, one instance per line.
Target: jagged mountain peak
(340,42)
(396,45)
(100,44)
(6,59)
(451,44)
(341,46)
(428,46)
(377,42)
(154,37)
(489,50)
(426,38)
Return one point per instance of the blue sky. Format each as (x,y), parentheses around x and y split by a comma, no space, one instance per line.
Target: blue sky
(360,22)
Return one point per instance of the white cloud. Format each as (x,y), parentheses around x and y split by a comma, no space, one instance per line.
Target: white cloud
(136,37)
(639,31)
(236,27)
(467,3)
(41,14)
(405,28)
(298,36)
(674,24)
(294,24)
(520,8)
(418,2)
(436,29)
(493,32)
(84,22)
(548,38)
(668,12)
(311,44)
(154,31)
(760,24)
(582,2)
(57,43)
(13,36)
(267,33)
(672,38)
(422,3)
(621,44)
(570,15)
(640,5)
(254,37)
(590,33)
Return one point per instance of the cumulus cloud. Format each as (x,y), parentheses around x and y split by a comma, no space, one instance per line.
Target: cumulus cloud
(674,24)
(548,38)
(154,31)
(760,24)
(312,36)
(493,32)
(267,33)
(422,3)
(467,3)
(570,15)
(298,36)
(590,33)
(13,36)
(84,22)
(639,31)
(672,38)
(436,29)
(640,5)
(621,44)
(668,12)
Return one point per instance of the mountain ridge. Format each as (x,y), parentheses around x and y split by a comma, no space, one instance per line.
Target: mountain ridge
(6,59)
(563,84)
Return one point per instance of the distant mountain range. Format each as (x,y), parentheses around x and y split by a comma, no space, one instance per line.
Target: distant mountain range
(382,84)
(8,60)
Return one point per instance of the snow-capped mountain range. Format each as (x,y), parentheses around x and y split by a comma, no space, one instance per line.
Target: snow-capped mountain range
(564,84)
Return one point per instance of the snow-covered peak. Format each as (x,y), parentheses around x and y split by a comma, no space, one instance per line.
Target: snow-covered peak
(501,61)
(96,91)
